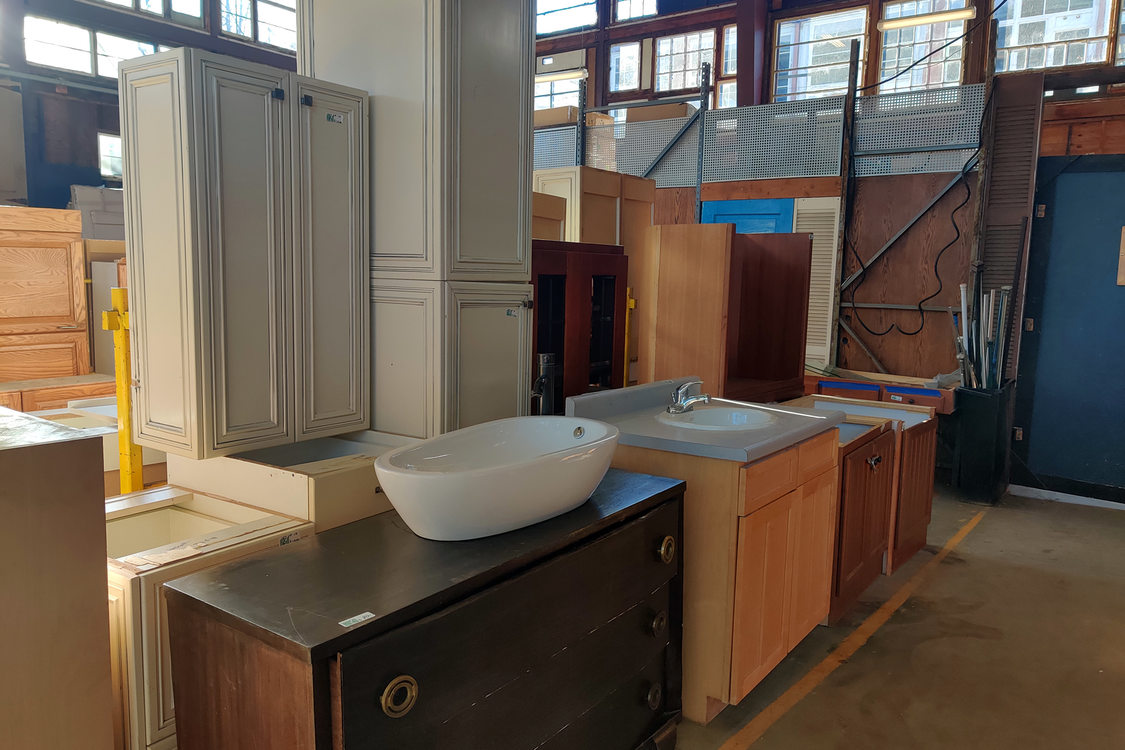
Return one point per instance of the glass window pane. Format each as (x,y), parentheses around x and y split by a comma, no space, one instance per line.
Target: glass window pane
(681,58)
(730,50)
(277,24)
(627,9)
(56,44)
(903,47)
(811,54)
(125,3)
(237,17)
(109,155)
(1033,29)
(625,67)
(552,16)
(151,6)
(728,94)
(193,8)
(113,49)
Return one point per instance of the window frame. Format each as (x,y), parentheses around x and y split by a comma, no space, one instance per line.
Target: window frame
(869,47)
(640,67)
(715,38)
(1114,11)
(92,32)
(880,36)
(106,177)
(597,23)
(615,12)
(253,38)
(168,15)
(719,76)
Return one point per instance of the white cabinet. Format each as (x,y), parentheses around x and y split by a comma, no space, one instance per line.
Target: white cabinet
(247,239)
(154,536)
(451,128)
(447,355)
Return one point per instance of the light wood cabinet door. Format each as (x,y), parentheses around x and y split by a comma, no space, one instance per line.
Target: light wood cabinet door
(42,286)
(44,355)
(761,614)
(245,225)
(489,352)
(915,491)
(330,258)
(865,501)
(812,533)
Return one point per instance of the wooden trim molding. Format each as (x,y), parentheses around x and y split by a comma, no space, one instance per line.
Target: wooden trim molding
(790,187)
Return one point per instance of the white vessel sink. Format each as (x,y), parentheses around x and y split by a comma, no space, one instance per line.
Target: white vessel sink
(496,477)
(719,418)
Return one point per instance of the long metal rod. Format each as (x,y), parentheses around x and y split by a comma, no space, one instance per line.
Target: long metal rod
(846,198)
(866,350)
(898,235)
(704,96)
(580,133)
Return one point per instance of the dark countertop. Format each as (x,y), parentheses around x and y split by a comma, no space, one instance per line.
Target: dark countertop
(376,574)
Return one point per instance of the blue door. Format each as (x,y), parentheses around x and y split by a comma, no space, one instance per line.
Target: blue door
(764,216)
(1071,390)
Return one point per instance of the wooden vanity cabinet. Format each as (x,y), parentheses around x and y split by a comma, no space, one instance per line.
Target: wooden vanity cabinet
(759,540)
(562,635)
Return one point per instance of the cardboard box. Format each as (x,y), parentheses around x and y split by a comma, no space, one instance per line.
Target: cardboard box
(659,112)
(551,118)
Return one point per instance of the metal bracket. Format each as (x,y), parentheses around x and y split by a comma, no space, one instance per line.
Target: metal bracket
(278,94)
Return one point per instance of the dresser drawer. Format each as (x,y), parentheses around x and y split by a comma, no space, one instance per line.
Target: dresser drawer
(503,668)
(817,455)
(764,481)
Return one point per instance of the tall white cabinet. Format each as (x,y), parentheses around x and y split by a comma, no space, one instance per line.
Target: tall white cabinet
(450,85)
(247,239)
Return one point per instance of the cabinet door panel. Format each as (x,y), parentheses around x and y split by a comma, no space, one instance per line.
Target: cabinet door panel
(916,490)
(330,196)
(812,535)
(406,367)
(43,355)
(489,353)
(493,198)
(42,286)
(865,499)
(246,321)
(761,615)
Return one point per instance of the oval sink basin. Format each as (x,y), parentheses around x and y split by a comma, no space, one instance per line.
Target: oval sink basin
(718,418)
(497,476)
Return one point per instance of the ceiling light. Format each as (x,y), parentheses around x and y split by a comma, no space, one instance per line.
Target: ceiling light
(945,15)
(562,75)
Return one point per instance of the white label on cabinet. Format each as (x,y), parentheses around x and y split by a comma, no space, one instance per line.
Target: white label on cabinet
(293,536)
(362,617)
(336,118)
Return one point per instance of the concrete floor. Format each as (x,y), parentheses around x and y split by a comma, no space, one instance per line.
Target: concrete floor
(1016,640)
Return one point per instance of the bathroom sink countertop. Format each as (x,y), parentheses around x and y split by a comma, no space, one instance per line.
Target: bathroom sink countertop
(634,412)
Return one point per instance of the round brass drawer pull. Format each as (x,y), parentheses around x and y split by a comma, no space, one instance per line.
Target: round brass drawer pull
(668,549)
(659,623)
(399,696)
(655,696)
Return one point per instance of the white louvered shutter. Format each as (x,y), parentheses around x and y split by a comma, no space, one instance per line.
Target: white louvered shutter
(820,217)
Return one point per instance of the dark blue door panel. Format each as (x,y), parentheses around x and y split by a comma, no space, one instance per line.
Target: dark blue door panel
(765,216)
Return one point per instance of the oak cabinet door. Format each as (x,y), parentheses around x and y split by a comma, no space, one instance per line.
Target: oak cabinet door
(330,258)
(244,136)
(489,352)
(761,614)
(42,286)
(811,536)
(865,500)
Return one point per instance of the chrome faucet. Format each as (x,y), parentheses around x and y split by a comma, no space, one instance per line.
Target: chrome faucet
(682,402)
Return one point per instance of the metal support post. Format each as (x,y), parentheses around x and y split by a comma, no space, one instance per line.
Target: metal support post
(704,99)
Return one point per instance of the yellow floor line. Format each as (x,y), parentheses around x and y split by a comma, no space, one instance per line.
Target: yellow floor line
(753,731)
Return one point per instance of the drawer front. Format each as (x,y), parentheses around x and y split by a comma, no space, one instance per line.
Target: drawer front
(764,481)
(568,628)
(817,455)
(918,396)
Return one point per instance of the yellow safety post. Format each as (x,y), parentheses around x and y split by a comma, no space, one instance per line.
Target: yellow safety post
(630,304)
(128,452)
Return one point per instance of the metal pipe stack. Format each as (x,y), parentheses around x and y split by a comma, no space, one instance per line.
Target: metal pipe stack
(982,339)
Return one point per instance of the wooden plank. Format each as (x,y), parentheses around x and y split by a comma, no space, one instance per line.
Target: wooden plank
(1084,109)
(710,533)
(11,400)
(674,206)
(91,379)
(1054,139)
(23,219)
(788,187)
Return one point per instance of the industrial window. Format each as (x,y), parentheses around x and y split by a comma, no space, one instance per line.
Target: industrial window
(730,50)
(553,16)
(182,11)
(109,155)
(679,59)
(272,22)
(726,85)
(811,54)
(625,67)
(914,29)
(113,49)
(57,44)
(627,9)
(728,94)
(562,93)
(1051,33)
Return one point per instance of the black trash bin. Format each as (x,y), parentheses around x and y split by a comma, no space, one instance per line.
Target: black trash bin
(984,430)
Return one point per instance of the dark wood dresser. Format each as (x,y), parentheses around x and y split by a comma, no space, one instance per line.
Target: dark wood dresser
(565,634)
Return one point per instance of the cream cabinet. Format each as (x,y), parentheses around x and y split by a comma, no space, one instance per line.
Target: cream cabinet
(154,536)
(448,355)
(247,236)
(450,83)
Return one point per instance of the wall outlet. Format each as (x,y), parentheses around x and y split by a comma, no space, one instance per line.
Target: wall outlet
(1017,434)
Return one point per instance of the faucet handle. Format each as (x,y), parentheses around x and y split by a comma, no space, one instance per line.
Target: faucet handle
(682,390)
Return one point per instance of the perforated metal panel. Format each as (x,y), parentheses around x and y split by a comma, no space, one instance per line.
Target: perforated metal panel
(555,147)
(789,139)
(631,147)
(917,131)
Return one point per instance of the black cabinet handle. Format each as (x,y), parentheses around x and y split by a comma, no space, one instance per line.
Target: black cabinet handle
(667,550)
(655,696)
(874,462)
(306,99)
(659,624)
(399,696)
